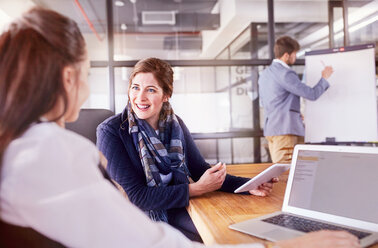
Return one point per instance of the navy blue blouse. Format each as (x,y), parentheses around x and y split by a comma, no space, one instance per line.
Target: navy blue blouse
(124,166)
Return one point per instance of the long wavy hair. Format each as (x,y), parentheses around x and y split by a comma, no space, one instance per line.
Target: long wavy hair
(33,53)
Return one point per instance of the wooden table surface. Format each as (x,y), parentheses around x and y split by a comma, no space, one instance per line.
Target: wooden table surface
(213,212)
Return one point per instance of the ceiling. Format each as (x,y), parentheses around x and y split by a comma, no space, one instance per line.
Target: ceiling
(198,28)
(189,15)
(179,21)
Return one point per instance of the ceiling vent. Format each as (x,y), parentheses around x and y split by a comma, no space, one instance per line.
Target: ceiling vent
(158,17)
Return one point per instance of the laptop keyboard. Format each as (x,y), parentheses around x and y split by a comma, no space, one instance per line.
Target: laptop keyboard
(305,225)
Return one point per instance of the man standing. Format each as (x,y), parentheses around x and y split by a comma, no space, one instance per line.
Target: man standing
(280,89)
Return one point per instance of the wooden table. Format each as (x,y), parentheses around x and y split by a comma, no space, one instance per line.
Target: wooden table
(213,212)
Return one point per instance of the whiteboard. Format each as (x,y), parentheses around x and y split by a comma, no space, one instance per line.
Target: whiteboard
(347,111)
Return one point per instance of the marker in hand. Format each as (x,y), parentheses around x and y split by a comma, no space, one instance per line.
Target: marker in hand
(327,71)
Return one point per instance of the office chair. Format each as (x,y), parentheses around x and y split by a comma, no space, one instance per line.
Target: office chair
(86,126)
(88,121)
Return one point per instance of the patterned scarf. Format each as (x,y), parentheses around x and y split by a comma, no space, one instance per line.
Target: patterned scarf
(161,153)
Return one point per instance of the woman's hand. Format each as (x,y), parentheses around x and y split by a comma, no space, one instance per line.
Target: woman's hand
(265,188)
(211,180)
(322,239)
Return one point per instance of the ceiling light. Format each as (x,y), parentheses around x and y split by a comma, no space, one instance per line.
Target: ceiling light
(353,17)
(119,3)
(123,26)
(133,1)
(363,24)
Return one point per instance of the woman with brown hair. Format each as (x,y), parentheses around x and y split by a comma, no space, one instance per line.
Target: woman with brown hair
(151,153)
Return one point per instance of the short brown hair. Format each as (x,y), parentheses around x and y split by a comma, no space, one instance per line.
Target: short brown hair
(161,70)
(285,44)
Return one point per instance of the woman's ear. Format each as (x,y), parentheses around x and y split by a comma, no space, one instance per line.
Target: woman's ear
(69,76)
(165,98)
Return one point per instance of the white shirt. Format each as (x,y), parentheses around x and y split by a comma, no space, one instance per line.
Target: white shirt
(281,62)
(50,182)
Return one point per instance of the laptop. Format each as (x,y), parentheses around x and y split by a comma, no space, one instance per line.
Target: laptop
(329,187)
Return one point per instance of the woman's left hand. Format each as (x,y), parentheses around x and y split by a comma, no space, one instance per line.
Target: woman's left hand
(265,188)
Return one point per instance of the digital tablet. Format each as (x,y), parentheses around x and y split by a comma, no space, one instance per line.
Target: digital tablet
(264,176)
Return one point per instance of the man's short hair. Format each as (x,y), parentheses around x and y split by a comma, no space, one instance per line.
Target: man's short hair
(285,44)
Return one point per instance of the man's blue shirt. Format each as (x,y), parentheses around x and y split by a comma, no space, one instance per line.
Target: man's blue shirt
(280,90)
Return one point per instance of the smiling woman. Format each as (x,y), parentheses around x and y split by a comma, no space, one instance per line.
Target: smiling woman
(147,98)
(151,153)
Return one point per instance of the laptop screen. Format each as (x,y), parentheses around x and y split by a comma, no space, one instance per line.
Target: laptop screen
(337,183)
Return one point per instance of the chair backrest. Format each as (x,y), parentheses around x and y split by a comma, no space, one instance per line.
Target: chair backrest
(18,236)
(88,121)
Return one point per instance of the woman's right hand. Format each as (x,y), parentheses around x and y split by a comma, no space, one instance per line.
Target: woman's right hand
(211,180)
(322,239)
